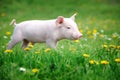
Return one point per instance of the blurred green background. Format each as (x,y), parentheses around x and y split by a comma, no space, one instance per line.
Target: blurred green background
(88,10)
(98,21)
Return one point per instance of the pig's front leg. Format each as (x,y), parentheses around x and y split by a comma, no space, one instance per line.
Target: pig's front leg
(51,43)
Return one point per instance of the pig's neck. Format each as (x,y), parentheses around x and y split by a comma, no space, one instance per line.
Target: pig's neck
(58,35)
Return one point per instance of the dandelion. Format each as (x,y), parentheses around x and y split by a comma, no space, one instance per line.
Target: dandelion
(76,41)
(117,60)
(115,35)
(94,31)
(26,49)
(47,50)
(92,62)
(30,46)
(22,69)
(112,46)
(35,70)
(104,62)
(86,55)
(8,33)
(8,51)
(118,47)
(104,46)
(89,32)
(81,31)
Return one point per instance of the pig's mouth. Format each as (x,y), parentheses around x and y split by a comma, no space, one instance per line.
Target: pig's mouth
(74,38)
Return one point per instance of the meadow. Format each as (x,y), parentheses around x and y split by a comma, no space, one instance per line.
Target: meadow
(96,56)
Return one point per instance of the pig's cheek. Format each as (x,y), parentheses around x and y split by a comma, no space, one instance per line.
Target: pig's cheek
(69,35)
(65,34)
(74,35)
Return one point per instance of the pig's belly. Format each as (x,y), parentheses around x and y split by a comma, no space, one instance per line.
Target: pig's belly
(35,38)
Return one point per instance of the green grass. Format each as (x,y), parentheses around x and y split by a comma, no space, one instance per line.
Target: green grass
(98,20)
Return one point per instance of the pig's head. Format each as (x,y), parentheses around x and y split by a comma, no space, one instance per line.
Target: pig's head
(68,27)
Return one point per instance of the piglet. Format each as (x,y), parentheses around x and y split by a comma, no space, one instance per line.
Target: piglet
(48,31)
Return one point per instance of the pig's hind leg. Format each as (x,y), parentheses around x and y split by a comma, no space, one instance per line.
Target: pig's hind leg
(25,43)
(13,42)
(16,38)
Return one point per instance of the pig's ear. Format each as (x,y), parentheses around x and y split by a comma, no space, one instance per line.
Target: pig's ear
(60,20)
(73,16)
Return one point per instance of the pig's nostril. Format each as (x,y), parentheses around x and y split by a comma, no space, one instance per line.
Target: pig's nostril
(80,36)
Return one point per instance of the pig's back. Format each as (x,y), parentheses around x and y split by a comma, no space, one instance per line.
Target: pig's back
(36,30)
(35,23)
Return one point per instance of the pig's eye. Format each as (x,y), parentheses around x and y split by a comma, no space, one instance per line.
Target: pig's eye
(68,27)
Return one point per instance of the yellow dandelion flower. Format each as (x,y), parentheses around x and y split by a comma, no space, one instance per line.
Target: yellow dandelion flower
(86,55)
(8,33)
(117,60)
(118,47)
(104,62)
(27,49)
(30,46)
(94,31)
(112,46)
(30,43)
(104,46)
(35,70)
(47,50)
(114,36)
(8,51)
(92,62)
(89,32)
(81,31)
(76,41)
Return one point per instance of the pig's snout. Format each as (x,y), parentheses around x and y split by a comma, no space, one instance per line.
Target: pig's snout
(77,35)
(80,35)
